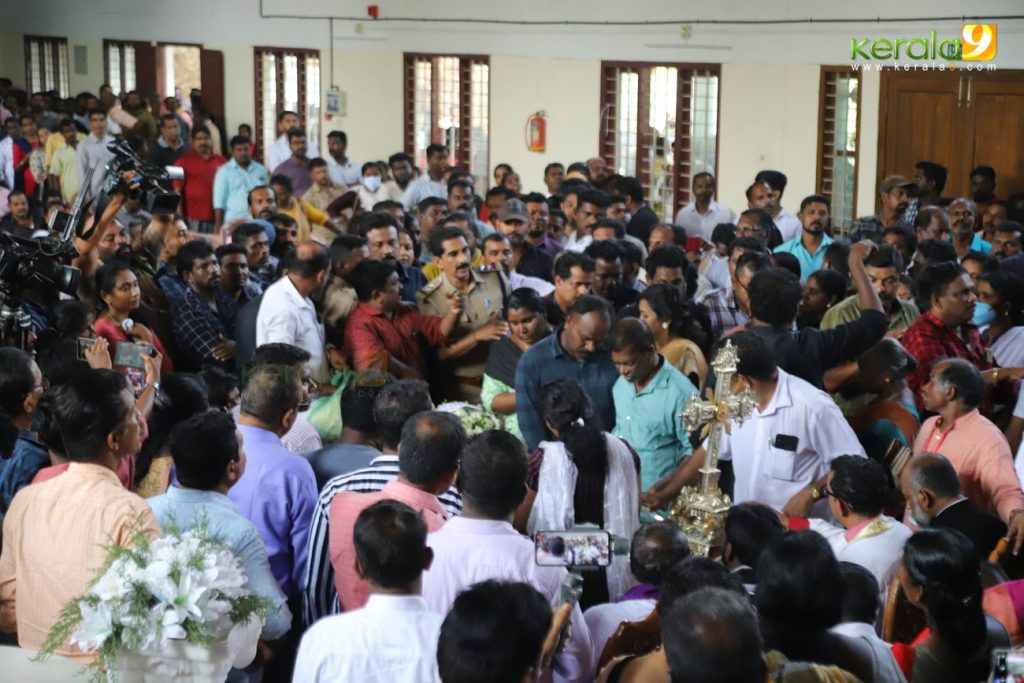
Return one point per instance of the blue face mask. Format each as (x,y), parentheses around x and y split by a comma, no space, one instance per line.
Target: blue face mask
(983,313)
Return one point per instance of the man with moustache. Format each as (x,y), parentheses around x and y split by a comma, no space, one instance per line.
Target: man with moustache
(703,213)
(963,216)
(497,255)
(788,224)
(538,211)
(527,259)
(204,319)
(809,247)
(200,165)
(381,234)
(484,292)
(895,193)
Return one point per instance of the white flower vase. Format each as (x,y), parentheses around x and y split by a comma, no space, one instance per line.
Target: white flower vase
(184,661)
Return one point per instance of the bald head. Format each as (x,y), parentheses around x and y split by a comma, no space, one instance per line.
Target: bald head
(656,548)
(309,264)
(932,472)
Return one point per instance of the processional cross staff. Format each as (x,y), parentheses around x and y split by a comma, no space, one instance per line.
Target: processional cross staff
(700,510)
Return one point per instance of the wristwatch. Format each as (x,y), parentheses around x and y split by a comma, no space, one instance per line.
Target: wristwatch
(155,385)
(815,492)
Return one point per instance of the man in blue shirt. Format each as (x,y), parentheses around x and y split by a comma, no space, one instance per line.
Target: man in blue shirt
(209,459)
(809,246)
(278,491)
(233,181)
(649,395)
(575,350)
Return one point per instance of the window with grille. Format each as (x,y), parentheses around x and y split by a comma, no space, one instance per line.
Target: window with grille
(286,80)
(838,141)
(447,101)
(46,64)
(659,123)
(119,65)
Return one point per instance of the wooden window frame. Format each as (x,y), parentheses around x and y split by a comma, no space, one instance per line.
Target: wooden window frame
(681,161)
(303,54)
(824,139)
(60,67)
(120,45)
(464,153)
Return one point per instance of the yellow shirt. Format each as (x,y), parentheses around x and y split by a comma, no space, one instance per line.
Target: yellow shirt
(54,538)
(306,215)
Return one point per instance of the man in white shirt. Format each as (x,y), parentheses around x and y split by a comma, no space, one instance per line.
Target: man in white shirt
(782,452)
(344,171)
(393,639)
(656,548)
(481,543)
(431,183)
(288,315)
(856,493)
(788,224)
(703,213)
(7,162)
(93,152)
(860,611)
(280,152)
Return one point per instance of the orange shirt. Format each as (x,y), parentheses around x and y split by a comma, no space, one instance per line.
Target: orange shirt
(981,457)
(54,538)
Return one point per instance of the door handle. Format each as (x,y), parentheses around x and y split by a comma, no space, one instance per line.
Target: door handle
(967,101)
(959,91)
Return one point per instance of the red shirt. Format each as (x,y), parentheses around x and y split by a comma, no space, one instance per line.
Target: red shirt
(371,337)
(929,339)
(197,188)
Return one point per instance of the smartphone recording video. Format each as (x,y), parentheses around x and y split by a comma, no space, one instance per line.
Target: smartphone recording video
(84,344)
(590,548)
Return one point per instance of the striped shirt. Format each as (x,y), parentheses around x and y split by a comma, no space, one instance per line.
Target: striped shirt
(320,596)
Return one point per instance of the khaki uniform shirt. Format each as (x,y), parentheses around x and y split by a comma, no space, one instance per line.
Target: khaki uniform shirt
(321,198)
(485,296)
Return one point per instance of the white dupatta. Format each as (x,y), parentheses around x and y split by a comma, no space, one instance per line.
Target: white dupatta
(553,508)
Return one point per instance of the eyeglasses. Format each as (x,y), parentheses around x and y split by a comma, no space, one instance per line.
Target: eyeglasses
(44,385)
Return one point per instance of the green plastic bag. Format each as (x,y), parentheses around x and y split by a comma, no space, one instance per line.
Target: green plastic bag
(325,412)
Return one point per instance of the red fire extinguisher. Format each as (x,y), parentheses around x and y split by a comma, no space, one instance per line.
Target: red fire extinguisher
(536,136)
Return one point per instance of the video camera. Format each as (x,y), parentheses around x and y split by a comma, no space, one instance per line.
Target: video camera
(152,179)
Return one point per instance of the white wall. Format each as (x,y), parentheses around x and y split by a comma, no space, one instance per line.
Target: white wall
(372,83)
(768,119)
(568,93)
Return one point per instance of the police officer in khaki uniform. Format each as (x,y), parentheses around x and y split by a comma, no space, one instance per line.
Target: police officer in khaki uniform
(483,291)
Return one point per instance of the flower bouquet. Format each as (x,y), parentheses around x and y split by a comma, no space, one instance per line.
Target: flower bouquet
(165,608)
(475,420)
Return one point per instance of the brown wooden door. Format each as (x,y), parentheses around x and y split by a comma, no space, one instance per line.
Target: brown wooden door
(958,119)
(145,68)
(996,105)
(921,118)
(211,74)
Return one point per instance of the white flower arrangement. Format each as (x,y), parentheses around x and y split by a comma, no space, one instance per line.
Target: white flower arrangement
(475,420)
(183,586)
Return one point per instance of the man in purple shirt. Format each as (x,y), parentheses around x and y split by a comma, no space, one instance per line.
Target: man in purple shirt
(296,167)
(277,492)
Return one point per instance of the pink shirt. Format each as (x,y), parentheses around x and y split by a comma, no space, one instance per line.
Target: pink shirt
(345,508)
(981,457)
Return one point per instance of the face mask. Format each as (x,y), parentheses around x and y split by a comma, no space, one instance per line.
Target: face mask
(983,313)
(371,182)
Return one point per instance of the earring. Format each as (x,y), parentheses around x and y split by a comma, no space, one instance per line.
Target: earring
(664,326)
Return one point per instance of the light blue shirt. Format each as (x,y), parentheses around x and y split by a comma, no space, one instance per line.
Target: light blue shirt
(649,421)
(808,263)
(231,188)
(978,244)
(183,506)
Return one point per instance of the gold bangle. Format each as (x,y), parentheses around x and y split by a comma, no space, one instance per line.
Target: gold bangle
(995,376)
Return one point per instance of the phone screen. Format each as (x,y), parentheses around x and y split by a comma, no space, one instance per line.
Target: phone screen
(129,354)
(573,548)
(84,344)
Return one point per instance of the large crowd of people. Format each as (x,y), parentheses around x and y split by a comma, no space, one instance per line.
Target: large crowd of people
(395,377)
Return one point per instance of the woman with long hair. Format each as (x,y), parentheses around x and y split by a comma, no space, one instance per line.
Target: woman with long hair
(892,416)
(525,315)
(119,291)
(682,329)
(181,396)
(583,476)
(939,574)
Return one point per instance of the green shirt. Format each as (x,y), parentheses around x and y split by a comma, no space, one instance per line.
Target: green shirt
(649,421)
(848,310)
